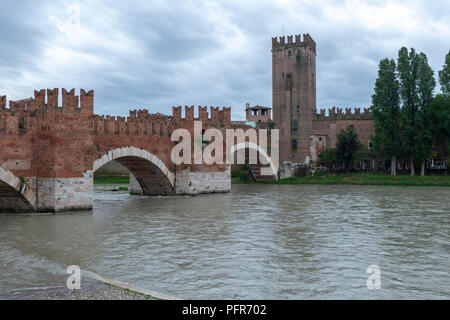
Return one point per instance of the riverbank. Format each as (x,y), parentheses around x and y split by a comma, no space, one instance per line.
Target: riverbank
(350,179)
(96,287)
(91,289)
(361,179)
(111,179)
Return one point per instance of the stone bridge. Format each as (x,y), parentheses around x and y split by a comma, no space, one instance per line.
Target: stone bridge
(48,153)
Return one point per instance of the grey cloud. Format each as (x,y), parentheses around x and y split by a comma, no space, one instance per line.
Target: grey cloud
(155,54)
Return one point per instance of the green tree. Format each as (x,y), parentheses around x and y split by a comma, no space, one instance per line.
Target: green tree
(440,113)
(387,113)
(444,76)
(346,146)
(408,68)
(328,157)
(424,134)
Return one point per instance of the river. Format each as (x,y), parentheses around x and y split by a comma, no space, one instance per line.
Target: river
(257,242)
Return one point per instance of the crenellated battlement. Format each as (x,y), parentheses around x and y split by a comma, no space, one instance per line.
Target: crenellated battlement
(290,41)
(46,101)
(216,114)
(43,113)
(139,122)
(338,114)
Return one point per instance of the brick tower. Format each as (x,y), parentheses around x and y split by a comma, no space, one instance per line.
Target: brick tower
(294,94)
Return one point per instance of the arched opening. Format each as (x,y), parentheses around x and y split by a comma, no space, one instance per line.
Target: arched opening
(148,174)
(15,194)
(263,170)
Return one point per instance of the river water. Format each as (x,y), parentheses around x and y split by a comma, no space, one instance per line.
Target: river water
(257,242)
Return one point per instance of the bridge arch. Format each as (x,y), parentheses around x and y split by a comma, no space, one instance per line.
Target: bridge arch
(15,195)
(152,175)
(270,169)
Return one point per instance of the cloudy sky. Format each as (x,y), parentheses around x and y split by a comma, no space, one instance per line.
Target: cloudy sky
(156,54)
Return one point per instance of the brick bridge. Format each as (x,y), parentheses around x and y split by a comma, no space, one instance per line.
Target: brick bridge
(48,153)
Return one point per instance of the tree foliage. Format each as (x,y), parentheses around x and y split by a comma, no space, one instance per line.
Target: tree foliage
(417,83)
(347,145)
(386,110)
(440,113)
(424,133)
(444,76)
(408,69)
(328,157)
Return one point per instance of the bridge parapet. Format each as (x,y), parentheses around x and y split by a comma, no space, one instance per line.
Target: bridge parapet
(140,122)
(37,105)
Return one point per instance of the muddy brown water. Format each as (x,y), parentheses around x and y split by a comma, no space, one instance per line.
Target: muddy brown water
(257,242)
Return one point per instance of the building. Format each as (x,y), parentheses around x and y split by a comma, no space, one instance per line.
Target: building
(257,113)
(304,132)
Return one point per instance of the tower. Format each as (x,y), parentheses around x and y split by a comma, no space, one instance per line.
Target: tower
(294,94)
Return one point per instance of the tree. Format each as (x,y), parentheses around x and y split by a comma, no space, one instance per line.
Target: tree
(386,111)
(347,145)
(408,69)
(440,110)
(328,157)
(440,114)
(424,133)
(363,153)
(444,76)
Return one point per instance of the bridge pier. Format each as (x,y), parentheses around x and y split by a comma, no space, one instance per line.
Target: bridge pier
(192,183)
(65,194)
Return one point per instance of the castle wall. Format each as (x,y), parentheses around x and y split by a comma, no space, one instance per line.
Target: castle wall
(331,128)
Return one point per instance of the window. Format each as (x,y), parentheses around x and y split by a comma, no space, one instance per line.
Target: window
(282,75)
(298,108)
(320,138)
(294,124)
(370,145)
(289,53)
(264,112)
(294,144)
(255,112)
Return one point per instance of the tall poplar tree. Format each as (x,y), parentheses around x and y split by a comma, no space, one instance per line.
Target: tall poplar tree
(386,111)
(440,106)
(408,68)
(424,124)
(444,76)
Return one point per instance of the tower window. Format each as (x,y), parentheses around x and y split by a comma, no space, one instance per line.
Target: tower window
(294,144)
(255,112)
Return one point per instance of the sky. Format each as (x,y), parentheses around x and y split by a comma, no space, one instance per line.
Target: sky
(159,54)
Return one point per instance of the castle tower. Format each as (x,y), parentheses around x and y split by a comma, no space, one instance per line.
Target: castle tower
(294,94)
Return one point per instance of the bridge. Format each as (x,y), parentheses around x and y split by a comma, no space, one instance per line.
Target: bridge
(48,153)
